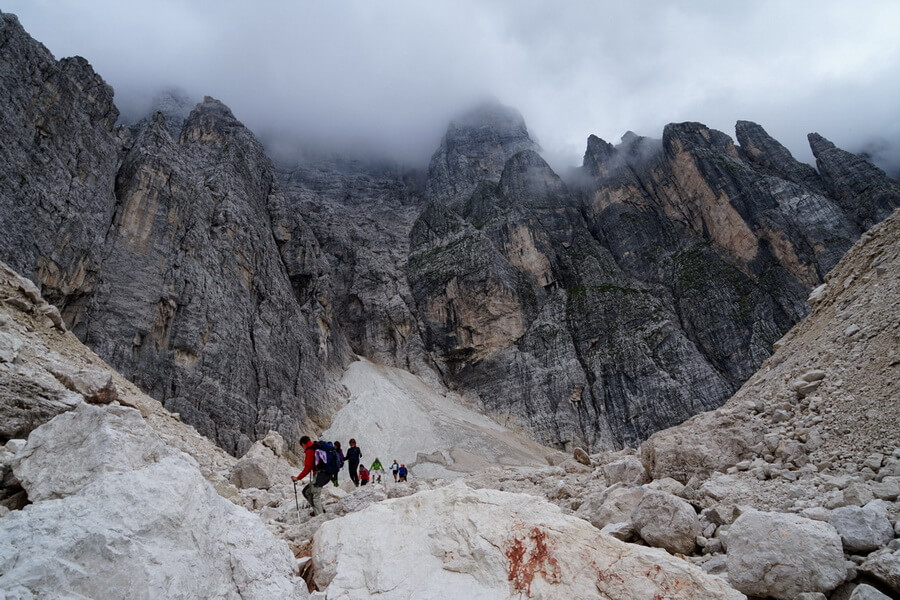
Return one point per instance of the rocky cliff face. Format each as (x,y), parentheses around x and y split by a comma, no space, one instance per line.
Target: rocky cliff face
(161,254)
(593,312)
(647,290)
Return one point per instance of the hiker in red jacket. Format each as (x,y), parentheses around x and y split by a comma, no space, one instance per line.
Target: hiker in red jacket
(363,475)
(312,491)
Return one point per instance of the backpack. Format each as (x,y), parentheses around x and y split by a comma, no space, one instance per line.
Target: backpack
(327,458)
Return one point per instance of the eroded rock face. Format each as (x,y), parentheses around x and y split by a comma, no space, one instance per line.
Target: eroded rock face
(131,518)
(192,301)
(475,148)
(489,544)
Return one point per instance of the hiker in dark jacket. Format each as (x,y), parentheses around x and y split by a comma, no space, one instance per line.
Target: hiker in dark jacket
(340,453)
(401,473)
(312,491)
(354,454)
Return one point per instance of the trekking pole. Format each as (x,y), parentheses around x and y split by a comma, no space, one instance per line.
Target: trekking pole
(296,500)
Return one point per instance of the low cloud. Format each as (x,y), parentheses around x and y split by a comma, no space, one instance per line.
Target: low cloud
(385,77)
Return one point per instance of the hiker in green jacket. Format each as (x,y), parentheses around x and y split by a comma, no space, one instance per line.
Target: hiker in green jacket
(377,470)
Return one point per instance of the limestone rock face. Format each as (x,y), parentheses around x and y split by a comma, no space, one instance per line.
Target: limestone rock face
(521,301)
(475,148)
(861,188)
(782,555)
(192,300)
(131,518)
(59,157)
(490,544)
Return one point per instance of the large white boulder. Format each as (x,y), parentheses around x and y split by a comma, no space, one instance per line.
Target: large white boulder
(486,544)
(666,521)
(613,505)
(627,469)
(783,555)
(122,516)
(83,444)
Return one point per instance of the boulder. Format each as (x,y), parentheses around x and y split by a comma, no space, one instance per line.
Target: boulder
(459,542)
(625,470)
(614,505)
(95,385)
(706,443)
(862,529)
(258,468)
(867,592)
(782,555)
(61,459)
(131,518)
(666,521)
(884,565)
(10,344)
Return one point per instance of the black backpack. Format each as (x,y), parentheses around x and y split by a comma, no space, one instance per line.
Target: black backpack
(332,464)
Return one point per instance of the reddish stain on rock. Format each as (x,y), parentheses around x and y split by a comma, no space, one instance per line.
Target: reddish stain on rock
(528,556)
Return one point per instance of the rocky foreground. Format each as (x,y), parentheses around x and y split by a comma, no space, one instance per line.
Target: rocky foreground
(790,490)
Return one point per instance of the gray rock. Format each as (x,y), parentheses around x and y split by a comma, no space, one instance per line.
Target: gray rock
(10,344)
(614,505)
(625,470)
(620,531)
(862,529)
(258,468)
(857,494)
(884,565)
(867,592)
(666,521)
(782,555)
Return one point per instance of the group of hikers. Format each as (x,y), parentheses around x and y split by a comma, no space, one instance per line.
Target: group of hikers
(325,461)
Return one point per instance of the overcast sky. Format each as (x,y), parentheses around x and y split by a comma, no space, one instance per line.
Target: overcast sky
(387,75)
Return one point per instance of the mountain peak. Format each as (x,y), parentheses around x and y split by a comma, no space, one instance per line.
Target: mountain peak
(475,148)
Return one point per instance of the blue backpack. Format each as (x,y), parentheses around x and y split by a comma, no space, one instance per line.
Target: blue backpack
(332,464)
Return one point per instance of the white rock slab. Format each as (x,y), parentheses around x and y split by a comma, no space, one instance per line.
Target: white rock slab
(131,518)
(455,542)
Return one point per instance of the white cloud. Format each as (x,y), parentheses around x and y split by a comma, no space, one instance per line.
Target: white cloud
(386,75)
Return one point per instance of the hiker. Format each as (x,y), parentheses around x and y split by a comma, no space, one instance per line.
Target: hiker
(401,473)
(363,475)
(340,453)
(377,470)
(394,468)
(353,456)
(312,491)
